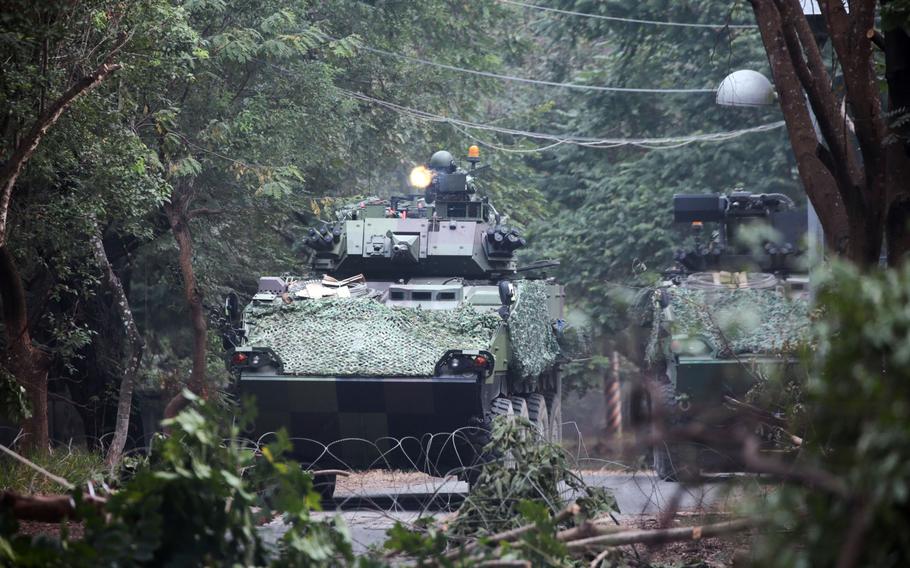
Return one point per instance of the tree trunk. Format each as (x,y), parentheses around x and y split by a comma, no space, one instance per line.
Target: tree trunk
(897,73)
(28,364)
(136,348)
(818,181)
(848,197)
(177,216)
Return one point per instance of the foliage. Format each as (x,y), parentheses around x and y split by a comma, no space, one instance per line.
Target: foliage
(614,213)
(14,405)
(194,504)
(856,405)
(524,483)
(523,468)
(199,497)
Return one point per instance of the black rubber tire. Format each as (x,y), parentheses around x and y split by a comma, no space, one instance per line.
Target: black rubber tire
(636,420)
(325,485)
(672,461)
(538,415)
(501,406)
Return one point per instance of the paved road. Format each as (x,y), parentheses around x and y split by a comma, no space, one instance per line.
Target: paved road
(370,511)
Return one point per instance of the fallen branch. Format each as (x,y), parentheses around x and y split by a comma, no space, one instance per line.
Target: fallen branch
(512,534)
(586,530)
(44,508)
(660,536)
(759,414)
(600,558)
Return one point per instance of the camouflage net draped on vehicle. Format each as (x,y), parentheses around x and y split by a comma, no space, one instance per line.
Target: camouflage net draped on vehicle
(362,337)
(736,322)
(534,344)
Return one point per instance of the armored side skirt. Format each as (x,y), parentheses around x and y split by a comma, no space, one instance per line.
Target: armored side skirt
(709,380)
(422,423)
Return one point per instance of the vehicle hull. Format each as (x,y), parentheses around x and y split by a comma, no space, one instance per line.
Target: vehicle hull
(357,423)
(706,382)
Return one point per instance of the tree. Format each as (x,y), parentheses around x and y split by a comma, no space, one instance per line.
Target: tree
(227,131)
(862,198)
(23,359)
(614,225)
(71,166)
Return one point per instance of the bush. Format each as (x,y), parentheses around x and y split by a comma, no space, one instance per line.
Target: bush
(851,505)
(524,485)
(193,504)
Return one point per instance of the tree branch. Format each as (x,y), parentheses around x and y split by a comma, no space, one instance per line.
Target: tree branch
(660,536)
(26,147)
(137,347)
(44,508)
(854,51)
(810,68)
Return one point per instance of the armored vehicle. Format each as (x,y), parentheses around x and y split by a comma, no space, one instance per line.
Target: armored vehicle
(416,332)
(730,314)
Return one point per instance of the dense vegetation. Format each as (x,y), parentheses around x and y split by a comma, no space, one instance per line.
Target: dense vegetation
(228,127)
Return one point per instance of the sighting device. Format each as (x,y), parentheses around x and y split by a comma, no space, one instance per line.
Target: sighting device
(723,248)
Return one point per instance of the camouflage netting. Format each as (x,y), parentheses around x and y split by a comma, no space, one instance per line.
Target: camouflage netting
(736,322)
(534,344)
(359,336)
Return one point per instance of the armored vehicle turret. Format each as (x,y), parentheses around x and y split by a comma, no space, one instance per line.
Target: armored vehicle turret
(416,331)
(731,313)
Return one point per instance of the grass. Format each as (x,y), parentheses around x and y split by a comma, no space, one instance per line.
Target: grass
(76,465)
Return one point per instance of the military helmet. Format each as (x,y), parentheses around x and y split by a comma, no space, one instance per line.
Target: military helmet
(442,160)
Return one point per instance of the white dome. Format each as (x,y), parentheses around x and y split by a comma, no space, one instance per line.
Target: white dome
(745,88)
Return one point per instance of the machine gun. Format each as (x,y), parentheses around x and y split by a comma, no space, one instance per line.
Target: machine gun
(723,249)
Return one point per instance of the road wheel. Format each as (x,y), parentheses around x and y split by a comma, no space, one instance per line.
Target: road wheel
(636,419)
(673,461)
(501,407)
(520,407)
(479,435)
(506,407)
(554,411)
(324,485)
(538,415)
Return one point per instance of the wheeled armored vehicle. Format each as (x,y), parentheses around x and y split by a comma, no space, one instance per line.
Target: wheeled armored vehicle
(413,330)
(731,313)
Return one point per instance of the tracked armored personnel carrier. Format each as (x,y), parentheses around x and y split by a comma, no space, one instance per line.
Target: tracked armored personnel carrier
(732,312)
(415,332)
